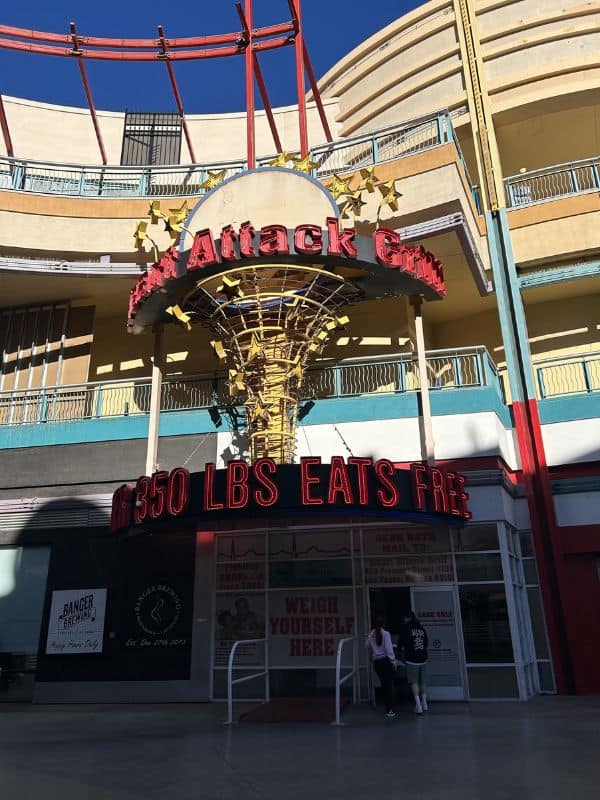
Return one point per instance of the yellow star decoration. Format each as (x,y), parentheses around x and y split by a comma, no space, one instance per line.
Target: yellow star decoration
(236,382)
(140,233)
(370,180)
(389,195)
(254,350)
(173,226)
(181,213)
(220,351)
(181,316)
(230,288)
(155,213)
(305,164)
(297,372)
(354,203)
(260,412)
(339,186)
(281,159)
(213,179)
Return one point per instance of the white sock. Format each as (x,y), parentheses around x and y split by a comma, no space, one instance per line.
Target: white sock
(418,706)
(424,702)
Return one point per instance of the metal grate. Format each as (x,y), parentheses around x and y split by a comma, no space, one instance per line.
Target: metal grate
(151,138)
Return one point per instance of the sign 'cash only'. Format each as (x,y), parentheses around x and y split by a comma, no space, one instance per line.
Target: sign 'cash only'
(352,486)
(389,266)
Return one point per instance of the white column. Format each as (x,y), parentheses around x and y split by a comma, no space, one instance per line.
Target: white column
(425,425)
(155,393)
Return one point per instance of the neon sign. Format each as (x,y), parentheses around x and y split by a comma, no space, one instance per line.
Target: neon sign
(358,484)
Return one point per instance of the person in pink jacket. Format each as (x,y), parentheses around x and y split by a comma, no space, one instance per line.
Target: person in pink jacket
(379,642)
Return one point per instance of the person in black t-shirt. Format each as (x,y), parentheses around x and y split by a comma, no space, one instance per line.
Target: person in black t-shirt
(413,645)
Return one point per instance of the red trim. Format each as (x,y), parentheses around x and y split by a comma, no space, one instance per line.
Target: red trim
(88,91)
(177,95)
(245,15)
(579,539)
(317,94)
(5,130)
(299,47)
(267,104)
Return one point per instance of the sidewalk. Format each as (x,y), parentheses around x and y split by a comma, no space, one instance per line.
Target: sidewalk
(548,748)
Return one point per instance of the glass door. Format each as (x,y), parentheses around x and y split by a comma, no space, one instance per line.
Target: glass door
(436,608)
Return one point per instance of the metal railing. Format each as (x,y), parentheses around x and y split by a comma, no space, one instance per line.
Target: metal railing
(568,375)
(559,180)
(460,368)
(392,142)
(340,680)
(245,678)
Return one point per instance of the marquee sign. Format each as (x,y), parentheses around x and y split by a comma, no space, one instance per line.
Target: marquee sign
(353,486)
(384,264)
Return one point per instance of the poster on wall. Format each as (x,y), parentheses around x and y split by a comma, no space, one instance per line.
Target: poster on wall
(435,609)
(248,577)
(409,570)
(305,627)
(413,540)
(76,623)
(239,616)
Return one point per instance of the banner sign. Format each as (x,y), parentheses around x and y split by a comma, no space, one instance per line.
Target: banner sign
(409,570)
(76,622)
(386,262)
(355,485)
(305,627)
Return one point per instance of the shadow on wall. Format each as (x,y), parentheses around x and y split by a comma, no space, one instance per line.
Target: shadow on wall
(27,563)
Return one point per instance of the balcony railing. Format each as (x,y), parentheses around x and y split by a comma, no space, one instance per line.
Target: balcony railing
(568,375)
(560,180)
(171,181)
(447,369)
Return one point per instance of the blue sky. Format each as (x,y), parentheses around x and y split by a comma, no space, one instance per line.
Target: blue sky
(332,28)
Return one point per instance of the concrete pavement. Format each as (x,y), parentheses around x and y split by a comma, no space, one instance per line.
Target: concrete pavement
(548,748)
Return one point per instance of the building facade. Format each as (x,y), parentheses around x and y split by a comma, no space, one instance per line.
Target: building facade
(468,127)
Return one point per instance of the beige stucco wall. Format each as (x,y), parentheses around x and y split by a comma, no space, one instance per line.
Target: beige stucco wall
(65,134)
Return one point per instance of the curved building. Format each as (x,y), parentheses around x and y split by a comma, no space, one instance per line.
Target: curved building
(402,274)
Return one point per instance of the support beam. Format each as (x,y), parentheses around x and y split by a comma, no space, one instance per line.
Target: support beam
(249,64)
(299,47)
(78,52)
(266,103)
(171,72)
(6,130)
(155,395)
(317,94)
(425,424)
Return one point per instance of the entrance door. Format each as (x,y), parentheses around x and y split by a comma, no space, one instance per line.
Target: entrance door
(435,606)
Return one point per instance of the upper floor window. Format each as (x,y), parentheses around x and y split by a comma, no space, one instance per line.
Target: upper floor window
(151,138)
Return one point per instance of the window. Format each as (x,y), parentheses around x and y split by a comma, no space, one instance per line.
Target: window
(151,139)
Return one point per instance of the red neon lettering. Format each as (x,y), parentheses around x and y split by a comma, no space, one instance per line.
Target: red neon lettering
(121,513)
(228,240)
(384,470)
(440,502)
(237,484)
(168,263)
(203,252)
(301,234)
(158,494)
(417,486)
(452,494)
(339,482)
(178,491)
(462,497)
(247,232)
(208,498)
(306,479)
(388,247)
(273,241)
(261,466)
(142,492)
(340,242)
(361,465)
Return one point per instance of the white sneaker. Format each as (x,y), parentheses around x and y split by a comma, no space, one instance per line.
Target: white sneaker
(418,709)
(390,714)
(424,705)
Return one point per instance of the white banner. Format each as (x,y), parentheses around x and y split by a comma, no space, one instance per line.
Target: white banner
(76,623)
(409,570)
